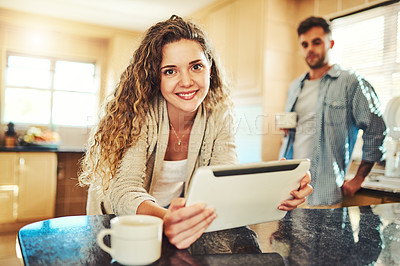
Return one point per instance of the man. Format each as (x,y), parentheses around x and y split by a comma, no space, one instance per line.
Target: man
(332,106)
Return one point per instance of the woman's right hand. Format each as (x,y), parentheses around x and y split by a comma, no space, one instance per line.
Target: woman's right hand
(183,225)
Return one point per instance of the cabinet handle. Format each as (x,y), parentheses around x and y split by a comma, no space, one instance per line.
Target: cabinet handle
(21,163)
(60,171)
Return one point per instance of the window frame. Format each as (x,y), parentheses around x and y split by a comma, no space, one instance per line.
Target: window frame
(52,90)
(391,54)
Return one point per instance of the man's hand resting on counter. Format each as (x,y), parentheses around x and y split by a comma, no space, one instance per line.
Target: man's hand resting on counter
(350,187)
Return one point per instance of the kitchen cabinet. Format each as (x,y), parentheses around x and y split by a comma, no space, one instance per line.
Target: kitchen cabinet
(37,185)
(8,187)
(71,198)
(8,166)
(238,41)
(27,185)
(7,201)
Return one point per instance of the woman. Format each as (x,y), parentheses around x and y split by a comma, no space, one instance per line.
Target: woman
(171,113)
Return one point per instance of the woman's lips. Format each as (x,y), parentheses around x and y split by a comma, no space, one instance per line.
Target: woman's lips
(187,95)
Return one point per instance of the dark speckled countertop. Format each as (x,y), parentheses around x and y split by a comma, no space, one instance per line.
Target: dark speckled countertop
(368,235)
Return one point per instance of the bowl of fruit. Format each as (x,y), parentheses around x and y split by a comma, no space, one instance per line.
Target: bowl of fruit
(36,136)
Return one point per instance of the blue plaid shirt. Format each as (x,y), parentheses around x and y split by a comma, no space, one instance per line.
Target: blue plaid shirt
(346,103)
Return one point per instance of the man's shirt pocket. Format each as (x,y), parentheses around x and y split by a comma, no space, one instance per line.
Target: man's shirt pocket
(334,112)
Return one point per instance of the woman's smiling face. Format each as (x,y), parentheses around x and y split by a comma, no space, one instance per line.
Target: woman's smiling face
(185,76)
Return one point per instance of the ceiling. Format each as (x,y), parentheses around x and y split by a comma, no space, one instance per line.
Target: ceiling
(135,15)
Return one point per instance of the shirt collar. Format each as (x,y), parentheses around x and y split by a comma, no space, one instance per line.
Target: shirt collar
(334,72)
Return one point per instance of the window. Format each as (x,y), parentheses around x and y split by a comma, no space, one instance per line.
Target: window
(48,91)
(369,42)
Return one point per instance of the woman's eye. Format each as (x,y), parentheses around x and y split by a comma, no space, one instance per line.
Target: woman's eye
(169,72)
(198,67)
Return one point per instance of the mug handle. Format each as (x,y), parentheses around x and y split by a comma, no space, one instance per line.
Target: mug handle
(100,240)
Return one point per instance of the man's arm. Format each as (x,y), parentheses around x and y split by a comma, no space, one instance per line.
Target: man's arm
(350,187)
(367,116)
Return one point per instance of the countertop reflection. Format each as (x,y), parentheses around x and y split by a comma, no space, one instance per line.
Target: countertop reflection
(345,236)
(365,235)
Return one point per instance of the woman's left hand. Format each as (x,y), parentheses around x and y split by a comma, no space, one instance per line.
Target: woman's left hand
(299,195)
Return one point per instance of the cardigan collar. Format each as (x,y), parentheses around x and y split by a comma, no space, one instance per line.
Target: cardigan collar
(195,141)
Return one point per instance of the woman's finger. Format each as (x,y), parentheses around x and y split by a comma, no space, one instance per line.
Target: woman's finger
(187,237)
(177,214)
(305,180)
(299,196)
(289,205)
(187,218)
(303,192)
(177,203)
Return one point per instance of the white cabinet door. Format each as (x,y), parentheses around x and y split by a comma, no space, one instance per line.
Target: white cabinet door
(8,164)
(37,185)
(7,207)
(8,187)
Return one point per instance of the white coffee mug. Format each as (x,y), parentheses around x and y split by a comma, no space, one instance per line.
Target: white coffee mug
(286,120)
(135,239)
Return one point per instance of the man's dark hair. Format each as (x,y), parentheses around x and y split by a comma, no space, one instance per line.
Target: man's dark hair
(311,22)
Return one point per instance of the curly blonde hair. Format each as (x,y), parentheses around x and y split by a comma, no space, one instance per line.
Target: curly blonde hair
(124,114)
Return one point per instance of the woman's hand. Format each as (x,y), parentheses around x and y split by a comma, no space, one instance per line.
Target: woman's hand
(299,195)
(183,225)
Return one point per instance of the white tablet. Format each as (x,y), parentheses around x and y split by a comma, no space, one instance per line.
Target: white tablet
(246,194)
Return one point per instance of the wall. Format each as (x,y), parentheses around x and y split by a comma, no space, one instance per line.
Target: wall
(279,70)
(110,48)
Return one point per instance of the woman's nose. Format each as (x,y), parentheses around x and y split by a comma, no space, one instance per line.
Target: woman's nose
(186,79)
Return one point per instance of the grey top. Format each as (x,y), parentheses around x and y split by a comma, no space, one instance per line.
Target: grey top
(305,128)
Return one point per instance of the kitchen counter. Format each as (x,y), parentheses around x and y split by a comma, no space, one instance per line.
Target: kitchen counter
(382,183)
(370,196)
(344,236)
(38,148)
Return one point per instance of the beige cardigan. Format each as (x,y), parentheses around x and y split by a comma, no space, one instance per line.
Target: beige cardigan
(212,142)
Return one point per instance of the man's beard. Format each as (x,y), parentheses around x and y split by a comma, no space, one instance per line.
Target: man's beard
(318,64)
